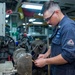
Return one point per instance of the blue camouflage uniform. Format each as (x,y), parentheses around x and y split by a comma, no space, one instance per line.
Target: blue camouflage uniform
(63,43)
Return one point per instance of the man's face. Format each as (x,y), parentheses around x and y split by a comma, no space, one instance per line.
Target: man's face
(50,18)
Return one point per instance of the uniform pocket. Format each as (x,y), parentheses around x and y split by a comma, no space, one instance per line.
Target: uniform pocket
(56,41)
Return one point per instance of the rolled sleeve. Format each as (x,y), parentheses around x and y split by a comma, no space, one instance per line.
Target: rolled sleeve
(70,57)
(68,45)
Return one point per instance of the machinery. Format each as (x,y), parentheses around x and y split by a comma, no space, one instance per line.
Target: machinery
(7,47)
(38,47)
(18,61)
(23,62)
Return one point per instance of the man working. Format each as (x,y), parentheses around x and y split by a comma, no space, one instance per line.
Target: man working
(62,52)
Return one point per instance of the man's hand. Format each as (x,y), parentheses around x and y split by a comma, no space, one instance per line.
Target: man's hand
(40,62)
(41,56)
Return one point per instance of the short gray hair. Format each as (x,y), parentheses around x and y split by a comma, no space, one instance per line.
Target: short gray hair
(51,6)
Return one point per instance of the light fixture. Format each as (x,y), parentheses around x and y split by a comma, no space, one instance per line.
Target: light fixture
(7,15)
(37,22)
(6,21)
(23,24)
(50,25)
(40,14)
(31,20)
(32,6)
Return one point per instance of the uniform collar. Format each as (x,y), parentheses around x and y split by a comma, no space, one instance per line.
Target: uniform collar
(62,21)
(55,30)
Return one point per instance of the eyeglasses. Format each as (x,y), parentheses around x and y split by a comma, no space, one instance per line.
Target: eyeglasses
(47,19)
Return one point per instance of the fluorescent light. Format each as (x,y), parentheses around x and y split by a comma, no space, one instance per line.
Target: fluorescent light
(23,24)
(31,20)
(7,16)
(26,23)
(32,6)
(37,22)
(40,14)
(50,25)
(6,21)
